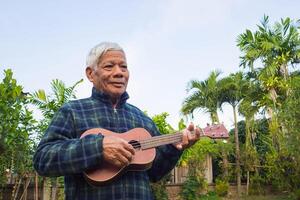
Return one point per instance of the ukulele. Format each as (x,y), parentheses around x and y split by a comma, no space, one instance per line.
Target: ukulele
(144,145)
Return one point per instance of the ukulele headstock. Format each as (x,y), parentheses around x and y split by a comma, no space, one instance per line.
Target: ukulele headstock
(215,131)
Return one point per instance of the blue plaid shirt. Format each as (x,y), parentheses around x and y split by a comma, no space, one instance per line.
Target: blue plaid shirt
(61,152)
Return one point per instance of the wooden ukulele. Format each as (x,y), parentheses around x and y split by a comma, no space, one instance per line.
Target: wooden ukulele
(144,145)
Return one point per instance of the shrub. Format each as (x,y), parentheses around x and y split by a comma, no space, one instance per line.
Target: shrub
(222,187)
(192,187)
(257,184)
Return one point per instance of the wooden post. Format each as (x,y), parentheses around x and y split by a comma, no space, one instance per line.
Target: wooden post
(15,195)
(46,192)
(25,189)
(36,193)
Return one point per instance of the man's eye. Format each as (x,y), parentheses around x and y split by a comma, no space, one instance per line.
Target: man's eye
(124,66)
(108,66)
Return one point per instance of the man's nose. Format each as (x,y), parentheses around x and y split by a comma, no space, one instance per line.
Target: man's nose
(118,70)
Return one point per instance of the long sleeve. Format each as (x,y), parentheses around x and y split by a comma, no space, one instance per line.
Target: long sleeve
(61,152)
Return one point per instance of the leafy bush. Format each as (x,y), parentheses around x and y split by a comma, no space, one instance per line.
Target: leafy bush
(159,188)
(257,185)
(210,196)
(222,187)
(192,187)
(297,194)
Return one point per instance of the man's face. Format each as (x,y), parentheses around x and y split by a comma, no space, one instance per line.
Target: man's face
(111,74)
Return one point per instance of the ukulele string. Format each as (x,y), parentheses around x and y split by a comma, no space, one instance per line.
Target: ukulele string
(155,140)
(152,142)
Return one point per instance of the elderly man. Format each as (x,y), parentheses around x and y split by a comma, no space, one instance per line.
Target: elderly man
(63,152)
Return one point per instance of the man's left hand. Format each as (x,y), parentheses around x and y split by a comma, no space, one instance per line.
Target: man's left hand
(189,137)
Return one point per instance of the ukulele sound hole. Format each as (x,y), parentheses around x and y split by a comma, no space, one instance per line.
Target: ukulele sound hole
(135,144)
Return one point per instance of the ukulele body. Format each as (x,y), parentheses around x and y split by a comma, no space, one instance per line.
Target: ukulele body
(142,160)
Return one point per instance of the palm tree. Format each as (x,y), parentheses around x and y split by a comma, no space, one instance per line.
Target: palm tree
(276,48)
(248,108)
(49,104)
(205,97)
(232,92)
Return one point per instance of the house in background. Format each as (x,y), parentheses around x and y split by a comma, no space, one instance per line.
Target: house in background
(179,174)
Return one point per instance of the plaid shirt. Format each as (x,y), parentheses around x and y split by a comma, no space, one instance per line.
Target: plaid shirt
(61,152)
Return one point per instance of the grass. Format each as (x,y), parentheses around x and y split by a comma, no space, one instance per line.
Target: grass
(267,197)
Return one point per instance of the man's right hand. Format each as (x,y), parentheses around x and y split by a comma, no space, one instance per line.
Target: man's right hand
(117,151)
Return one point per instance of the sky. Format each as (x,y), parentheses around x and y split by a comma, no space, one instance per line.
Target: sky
(167,44)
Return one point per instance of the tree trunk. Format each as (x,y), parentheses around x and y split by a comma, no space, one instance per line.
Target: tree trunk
(54,189)
(237,152)
(284,71)
(214,118)
(36,196)
(248,183)
(225,164)
(46,192)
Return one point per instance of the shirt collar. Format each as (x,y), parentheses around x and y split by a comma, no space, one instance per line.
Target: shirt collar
(105,98)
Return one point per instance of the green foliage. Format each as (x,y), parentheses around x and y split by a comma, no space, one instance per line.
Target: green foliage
(198,152)
(16,128)
(297,194)
(192,187)
(159,188)
(257,184)
(284,171)
(163,126)
(222,187)
(211,195)
(205,96)
(49,104)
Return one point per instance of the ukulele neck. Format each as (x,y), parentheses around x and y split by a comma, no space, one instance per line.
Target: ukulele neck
(161,140)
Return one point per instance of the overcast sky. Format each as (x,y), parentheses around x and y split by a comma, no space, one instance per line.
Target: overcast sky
(167,43)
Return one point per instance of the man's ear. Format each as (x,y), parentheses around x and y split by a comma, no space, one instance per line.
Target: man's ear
(89,73)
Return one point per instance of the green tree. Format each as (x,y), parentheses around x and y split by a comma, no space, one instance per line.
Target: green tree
(277,48)
(49,104)
(284,172)
(248,108)
(16,130)
(205,96)
(232,92)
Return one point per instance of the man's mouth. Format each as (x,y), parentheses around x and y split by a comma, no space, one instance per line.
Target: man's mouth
(118,84)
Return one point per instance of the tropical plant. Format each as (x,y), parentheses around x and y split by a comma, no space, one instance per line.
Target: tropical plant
(204,97)
(232,92)
(16,131)
(278,49)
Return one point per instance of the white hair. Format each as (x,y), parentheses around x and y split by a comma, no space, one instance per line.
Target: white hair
(97,51)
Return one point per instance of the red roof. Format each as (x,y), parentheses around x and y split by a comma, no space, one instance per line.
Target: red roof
(216,131)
